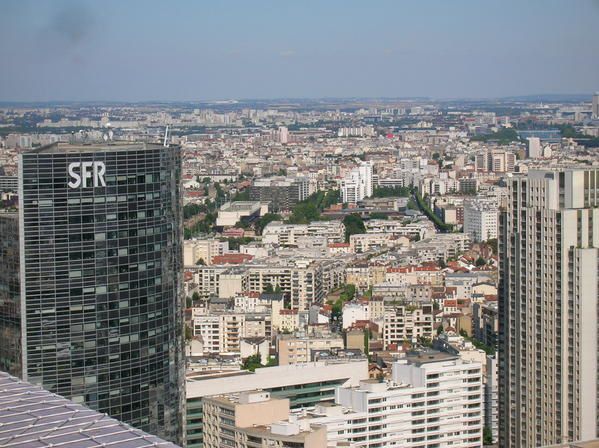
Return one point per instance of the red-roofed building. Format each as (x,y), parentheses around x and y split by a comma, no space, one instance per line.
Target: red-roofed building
(232,259)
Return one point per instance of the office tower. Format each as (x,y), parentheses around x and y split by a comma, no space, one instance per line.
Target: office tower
(357,185)
(548,339)
(101,271)
(534,148)
(596,105)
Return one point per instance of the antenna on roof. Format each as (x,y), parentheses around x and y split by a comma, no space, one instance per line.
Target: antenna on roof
(165,144)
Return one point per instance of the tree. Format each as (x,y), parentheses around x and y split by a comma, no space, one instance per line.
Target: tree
(268,288)
(492,243)
(200,262)
(251,363)
(263,221)
(188,302)
(195,297)
(304,212)
(188,333)
(480,261)
(487,436)
(439,329)
(353,225)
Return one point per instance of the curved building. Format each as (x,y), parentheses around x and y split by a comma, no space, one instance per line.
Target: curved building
(101,270)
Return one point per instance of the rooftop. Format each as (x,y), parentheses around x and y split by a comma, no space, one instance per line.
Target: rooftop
(33,417)
(58,148)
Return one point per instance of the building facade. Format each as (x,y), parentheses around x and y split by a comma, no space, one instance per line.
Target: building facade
(548,308)
(101,274)
(10,295)
(480,219)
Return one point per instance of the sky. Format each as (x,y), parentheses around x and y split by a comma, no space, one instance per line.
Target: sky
(175,50)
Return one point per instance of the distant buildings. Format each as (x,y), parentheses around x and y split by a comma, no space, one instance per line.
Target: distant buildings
(548,349)
(535,150)
(231,213)
(282,192)
(494,160)
(595,106)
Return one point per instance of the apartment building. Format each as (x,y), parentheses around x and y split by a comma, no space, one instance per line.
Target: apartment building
(357,185)
(480,219)
(407,323)
(203,251)
(548,312)
(298,349)
(303,384)
(281,192)
(223,332)
(433,399)
(289,235)
(251,419)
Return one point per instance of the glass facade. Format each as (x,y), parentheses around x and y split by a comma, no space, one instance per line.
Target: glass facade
(10,303)
(101,236)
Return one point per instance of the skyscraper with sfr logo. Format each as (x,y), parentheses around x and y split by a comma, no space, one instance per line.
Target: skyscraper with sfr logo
(100,308)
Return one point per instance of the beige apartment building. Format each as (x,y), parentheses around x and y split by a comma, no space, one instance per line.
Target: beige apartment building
(298,349)
(255,420)
(548,308)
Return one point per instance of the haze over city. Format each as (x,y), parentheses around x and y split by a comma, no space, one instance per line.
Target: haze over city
(184,51)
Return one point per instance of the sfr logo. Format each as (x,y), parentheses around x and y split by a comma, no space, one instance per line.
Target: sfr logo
(87,170)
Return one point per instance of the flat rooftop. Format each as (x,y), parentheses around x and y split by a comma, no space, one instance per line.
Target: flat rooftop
(60,148)
(428,356)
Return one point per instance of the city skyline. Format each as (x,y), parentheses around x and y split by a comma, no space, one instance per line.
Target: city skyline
(186,52)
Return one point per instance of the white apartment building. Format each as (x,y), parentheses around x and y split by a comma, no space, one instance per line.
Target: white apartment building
(534,148)
(290,235)
(433,400)
(407,323)
(372,310)
(364,242)
(480,219)
(357,185)
(421,229)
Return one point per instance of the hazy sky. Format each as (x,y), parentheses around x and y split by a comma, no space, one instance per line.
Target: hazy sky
(216,49)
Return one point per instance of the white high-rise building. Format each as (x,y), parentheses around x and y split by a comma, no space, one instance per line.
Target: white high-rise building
(283,135)
(534,148)
(596,105)
(434,399)
(548,308)
(357,185)
(480,219)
